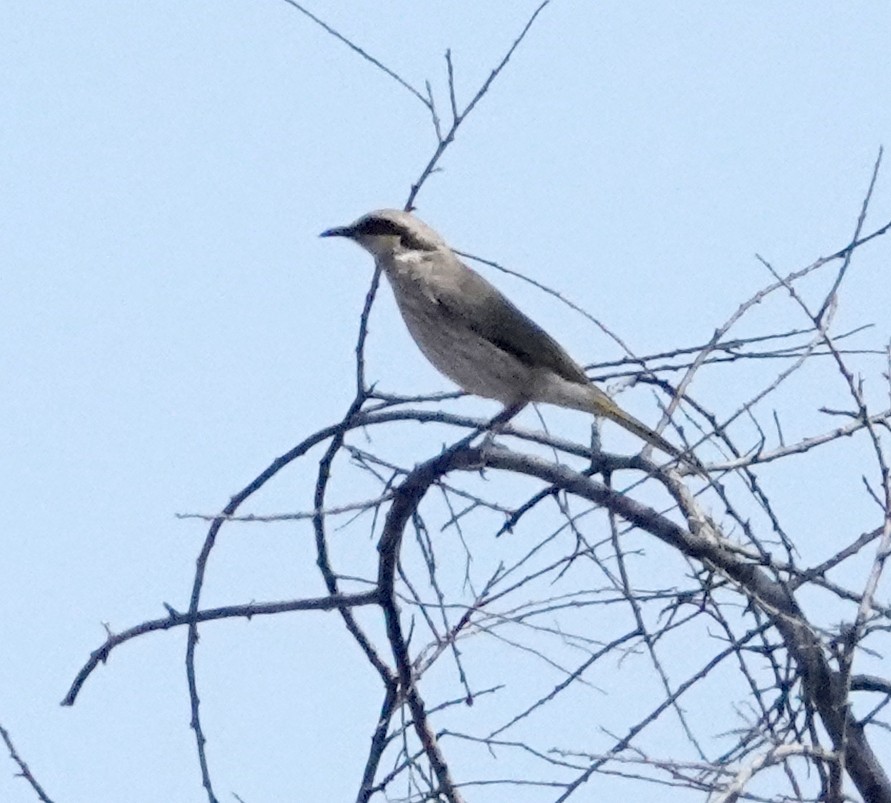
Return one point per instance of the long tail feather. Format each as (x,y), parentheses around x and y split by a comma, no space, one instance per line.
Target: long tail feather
(605,406)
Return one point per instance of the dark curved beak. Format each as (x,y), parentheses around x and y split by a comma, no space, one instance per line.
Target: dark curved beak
(337,231)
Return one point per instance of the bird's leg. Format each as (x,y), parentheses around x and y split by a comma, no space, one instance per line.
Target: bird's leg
(496,425)
(596,444)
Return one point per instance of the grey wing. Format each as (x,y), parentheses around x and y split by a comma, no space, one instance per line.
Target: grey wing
(483,308)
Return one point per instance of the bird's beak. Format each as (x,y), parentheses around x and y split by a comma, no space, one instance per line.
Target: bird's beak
(337,231)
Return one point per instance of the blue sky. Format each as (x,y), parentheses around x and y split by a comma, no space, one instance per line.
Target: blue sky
(170,321)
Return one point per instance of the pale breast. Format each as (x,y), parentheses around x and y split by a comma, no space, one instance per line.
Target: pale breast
(476,365)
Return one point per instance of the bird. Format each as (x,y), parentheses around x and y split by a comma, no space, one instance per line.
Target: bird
(472,333)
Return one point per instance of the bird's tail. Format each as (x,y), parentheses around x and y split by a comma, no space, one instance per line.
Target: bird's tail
(601,404)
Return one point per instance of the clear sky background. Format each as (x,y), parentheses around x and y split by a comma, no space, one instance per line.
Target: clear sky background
(170,321)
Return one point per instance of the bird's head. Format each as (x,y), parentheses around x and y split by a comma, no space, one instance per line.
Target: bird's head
(389,232)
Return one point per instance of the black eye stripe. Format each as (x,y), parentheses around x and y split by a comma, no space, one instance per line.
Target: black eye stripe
(377,226)
(410,241)
(381,227)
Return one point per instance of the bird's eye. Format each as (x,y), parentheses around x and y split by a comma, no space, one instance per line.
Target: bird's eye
(376,227)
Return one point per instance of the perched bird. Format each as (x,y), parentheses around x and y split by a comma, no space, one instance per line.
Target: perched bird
(471,332)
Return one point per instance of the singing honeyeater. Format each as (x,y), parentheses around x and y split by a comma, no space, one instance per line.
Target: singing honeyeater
(471,332)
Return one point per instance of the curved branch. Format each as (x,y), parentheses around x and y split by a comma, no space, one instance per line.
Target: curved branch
(701,542)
